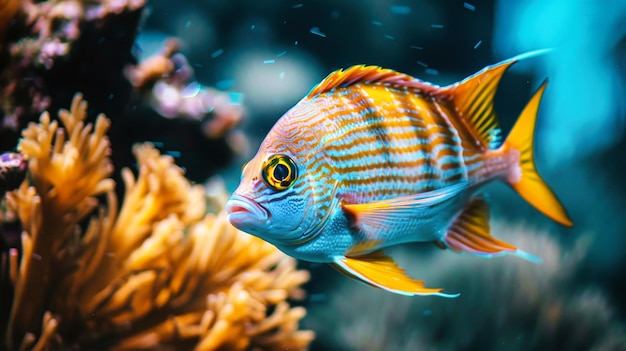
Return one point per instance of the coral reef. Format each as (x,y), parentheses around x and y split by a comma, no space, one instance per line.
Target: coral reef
(54,48)
(156,272)
(166,81)
(505,303)
(12,171)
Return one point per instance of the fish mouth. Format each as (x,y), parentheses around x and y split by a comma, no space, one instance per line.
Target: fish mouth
(244,213)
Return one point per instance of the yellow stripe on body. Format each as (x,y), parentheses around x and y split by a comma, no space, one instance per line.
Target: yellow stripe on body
(386,142)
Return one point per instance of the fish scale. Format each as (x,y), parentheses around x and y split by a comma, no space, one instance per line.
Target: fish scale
(404,139)
(372,158)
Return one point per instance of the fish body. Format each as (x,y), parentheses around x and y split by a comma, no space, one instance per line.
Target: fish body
(372,158)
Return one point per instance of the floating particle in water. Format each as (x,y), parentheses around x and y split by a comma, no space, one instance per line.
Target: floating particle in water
(469,6)
(478,44)
(225,84)
(282,54)
(295,42)
(318,297)
(438,26)
(417,47)
(199,65)
(390,37)
(431,71)
(400,10)
(317,31)
(187,23)
(191,90)
(427,313)
(236,98)
(252,27)
(281,75)
(377,23)
(422,63)
(297,6)
(217,53)
(268,61)
(173,153)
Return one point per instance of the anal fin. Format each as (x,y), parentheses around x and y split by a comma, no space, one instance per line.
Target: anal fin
(470,233)
(381,271)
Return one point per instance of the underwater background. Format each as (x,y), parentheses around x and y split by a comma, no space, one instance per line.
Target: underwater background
(202,83)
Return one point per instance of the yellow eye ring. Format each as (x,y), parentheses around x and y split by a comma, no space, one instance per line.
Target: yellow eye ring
(279,172)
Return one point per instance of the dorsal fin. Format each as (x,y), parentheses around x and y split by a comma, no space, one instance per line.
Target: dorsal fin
(473,99)
(370,75)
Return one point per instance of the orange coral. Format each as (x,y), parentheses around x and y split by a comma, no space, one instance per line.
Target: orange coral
(158,274)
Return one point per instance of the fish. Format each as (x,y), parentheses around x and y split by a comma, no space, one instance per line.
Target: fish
(372,158)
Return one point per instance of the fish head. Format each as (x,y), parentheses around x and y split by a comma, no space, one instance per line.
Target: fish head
(277,199)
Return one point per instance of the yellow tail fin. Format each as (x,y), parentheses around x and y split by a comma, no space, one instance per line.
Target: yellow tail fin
(529,184)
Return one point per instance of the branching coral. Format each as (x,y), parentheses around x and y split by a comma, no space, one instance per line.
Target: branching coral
(159,273)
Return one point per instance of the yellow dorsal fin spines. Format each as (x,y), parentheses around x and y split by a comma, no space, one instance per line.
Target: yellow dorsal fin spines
(472,99)
(370,75)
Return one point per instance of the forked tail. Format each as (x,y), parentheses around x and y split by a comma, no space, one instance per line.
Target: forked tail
(473,101)
(527,182)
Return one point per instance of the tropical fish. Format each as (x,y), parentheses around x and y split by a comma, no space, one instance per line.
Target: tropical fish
(372,158)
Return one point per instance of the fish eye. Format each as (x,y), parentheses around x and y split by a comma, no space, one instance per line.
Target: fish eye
(279,172)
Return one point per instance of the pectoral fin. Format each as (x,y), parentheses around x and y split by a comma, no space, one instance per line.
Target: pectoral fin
(379,270)
(376,216)
(470,233)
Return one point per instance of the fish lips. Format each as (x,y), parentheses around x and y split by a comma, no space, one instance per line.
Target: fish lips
(246,214)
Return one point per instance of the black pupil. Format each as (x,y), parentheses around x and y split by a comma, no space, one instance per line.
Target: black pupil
(281,172)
